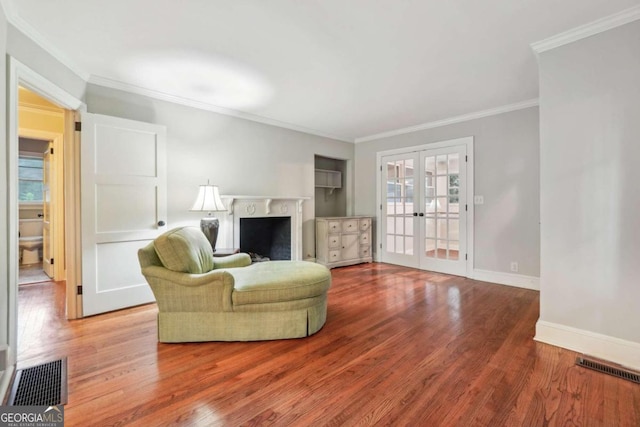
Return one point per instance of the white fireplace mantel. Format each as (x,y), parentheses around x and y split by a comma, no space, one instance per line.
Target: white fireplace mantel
(263,206)
(230,201)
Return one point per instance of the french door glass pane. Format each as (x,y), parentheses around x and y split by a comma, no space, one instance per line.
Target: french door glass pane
(454,229)
(442,249)
(390,225)
(408,226)
(408,248)
(441,165)
(430,248)
(454,249)
(399,244)
(390,243)
(454,163)
(441,186)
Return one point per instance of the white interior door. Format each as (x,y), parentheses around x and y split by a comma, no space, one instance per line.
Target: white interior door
(443,231)
(123,208)
(400,198)
(48,183)
(424,209)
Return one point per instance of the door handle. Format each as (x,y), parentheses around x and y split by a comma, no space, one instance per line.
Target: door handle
(161,223)
(421,214)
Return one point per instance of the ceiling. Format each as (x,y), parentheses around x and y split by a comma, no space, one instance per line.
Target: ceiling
(345,69)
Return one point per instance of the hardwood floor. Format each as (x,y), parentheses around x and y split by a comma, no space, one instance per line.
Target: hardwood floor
(401,347)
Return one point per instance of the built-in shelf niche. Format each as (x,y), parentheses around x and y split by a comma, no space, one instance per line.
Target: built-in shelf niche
(328,179)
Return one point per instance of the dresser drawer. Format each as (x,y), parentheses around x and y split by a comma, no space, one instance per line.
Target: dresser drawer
(334,241)
(364,238)
(350,226)
(334,227)
(365,251)
(365,224)
(334,256)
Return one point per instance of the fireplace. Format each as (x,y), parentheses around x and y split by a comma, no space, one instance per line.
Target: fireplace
(241,208)
(266,237)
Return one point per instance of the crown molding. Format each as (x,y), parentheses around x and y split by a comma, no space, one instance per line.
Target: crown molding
(126,87)
(452,120)
(27,29)
(607,23)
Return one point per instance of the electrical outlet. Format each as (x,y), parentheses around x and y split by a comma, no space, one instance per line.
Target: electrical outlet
(514,266)
(478,200)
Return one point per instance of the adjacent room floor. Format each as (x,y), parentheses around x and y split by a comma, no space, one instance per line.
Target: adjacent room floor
(32,273)
(400,347)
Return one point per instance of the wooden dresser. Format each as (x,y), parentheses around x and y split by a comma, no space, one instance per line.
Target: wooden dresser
(343,241)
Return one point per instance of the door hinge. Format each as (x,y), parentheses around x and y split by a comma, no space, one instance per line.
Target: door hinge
(380,168)
(380,245)
(80,290)
(78,126)
(466,158)
(380,206)
(51,150)
(466,208)
(51,262)
(466,256)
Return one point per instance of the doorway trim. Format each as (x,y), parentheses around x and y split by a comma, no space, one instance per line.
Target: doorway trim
(468,141)
(21,75)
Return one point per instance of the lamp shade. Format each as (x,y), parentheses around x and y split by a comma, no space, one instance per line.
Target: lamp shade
(208,200)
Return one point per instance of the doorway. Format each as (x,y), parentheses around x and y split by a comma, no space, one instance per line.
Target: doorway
(40,189)
(425,219)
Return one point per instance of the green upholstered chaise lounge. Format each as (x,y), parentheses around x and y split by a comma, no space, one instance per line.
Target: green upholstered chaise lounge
(202,298)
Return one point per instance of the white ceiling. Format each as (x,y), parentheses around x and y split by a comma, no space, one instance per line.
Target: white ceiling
(349,69)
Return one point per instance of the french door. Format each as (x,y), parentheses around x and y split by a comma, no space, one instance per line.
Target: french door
(424,209)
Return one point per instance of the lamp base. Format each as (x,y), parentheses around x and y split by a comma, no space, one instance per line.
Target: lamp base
(209,227)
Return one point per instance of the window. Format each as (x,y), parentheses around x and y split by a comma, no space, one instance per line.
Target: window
(30,175)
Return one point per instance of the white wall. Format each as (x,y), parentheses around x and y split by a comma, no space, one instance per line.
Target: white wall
(590,203)
(242,157)
(22,48)
(506,174)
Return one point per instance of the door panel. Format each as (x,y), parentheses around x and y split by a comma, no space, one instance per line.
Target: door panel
(423,211)
(123,200)
(48,183)
(400,192)
(350,246)
(444,207)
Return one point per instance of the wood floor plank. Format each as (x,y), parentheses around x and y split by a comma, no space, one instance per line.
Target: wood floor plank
(401,347)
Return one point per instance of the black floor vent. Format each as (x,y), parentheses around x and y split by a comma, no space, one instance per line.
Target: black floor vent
(41,385)
(608,368)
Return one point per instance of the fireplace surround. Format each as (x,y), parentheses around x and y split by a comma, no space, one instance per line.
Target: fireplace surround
(263,208)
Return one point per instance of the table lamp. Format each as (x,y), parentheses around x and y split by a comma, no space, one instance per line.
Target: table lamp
(209,201)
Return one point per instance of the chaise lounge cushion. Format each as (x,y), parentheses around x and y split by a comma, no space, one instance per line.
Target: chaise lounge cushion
(278,281)
(185,250)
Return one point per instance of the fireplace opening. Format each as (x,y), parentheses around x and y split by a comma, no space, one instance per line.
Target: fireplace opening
(268,237)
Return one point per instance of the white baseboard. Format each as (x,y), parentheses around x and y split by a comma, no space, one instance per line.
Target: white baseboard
(622,352)
(510,279)
(5,382)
